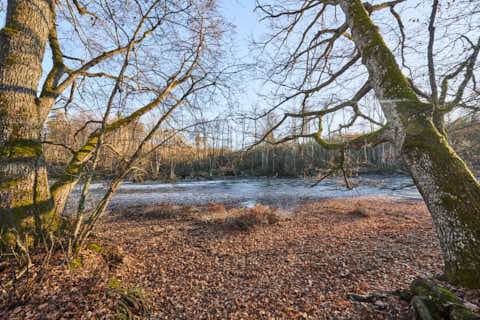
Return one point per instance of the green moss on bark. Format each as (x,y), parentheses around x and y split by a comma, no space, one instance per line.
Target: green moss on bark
(21,149)
(459,196)
(458,191)
(395,85)
(8,31)
(9,183)
(439,302)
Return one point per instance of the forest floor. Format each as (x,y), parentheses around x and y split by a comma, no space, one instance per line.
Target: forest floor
(184,262)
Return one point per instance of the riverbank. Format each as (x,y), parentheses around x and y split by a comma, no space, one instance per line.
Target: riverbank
(190,262)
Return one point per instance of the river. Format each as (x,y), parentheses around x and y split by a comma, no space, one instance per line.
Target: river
(247,192)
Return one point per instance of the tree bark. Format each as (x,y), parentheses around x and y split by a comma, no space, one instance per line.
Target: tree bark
(25,199)
(450,191)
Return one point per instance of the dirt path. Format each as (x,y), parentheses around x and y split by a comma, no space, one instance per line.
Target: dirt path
(303,267)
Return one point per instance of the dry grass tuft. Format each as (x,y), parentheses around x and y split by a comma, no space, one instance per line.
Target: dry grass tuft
(240,219)
(249,218)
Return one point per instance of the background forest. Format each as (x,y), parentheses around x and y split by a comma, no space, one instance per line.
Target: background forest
(218,149)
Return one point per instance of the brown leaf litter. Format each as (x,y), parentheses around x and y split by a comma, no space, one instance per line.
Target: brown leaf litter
(214,263)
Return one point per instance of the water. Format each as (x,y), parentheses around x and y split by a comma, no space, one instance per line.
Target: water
(250,191)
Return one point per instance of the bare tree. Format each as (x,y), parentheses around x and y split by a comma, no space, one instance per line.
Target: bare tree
(149,55)
(327,50)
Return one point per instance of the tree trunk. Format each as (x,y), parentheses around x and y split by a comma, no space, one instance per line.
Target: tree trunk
(449,189)
(452,195)
(25,199)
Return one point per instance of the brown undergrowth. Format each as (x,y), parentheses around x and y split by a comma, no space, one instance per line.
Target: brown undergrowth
(212,262)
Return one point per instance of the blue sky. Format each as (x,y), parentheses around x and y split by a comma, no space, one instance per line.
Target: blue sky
(240,13)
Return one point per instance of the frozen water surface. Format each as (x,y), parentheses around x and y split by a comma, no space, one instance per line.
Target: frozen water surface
(250,191)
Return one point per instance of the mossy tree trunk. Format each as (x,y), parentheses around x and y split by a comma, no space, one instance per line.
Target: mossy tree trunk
(25,198)
(450,191)
(24,194)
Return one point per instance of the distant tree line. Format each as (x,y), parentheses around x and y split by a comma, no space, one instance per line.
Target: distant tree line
(207,154)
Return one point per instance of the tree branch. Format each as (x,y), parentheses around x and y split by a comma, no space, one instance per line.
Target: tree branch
(431,63)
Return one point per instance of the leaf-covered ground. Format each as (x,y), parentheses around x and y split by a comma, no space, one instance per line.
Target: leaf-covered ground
(188,264)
